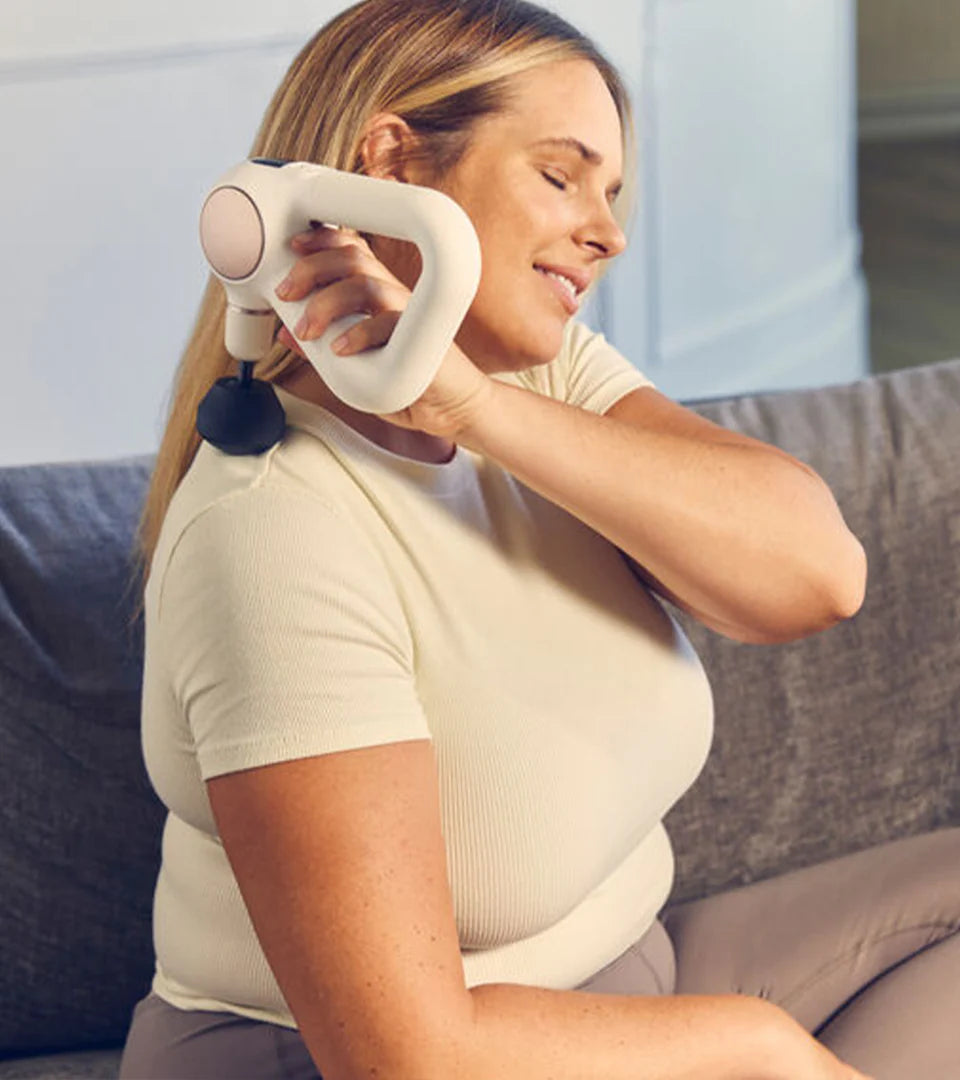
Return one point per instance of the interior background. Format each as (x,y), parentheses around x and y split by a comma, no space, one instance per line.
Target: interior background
(796,225)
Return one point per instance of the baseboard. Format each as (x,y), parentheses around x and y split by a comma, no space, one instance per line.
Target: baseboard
(910,114)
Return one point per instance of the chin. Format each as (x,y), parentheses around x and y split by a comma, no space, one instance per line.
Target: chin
(518,360)
(536,342)
(544,350)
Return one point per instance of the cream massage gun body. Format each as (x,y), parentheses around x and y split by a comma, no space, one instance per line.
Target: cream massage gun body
(246,225)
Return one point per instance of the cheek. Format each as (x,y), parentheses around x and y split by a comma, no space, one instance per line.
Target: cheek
(509,253)
(516,227)
(514,234)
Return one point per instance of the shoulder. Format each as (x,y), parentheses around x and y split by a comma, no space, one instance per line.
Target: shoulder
(587,372)
(254,523)
(552,379)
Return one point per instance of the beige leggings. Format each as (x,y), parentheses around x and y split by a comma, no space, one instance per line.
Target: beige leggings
(863,951)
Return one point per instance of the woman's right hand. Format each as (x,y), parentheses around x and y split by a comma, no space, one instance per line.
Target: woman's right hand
(802,1057)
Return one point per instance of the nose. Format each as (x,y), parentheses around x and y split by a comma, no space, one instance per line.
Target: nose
(601,231)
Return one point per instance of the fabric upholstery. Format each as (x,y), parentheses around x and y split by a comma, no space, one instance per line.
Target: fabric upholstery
(79,824)
(849,738)
(88,1064)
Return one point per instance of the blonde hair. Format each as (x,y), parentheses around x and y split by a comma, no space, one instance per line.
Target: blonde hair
(441,65)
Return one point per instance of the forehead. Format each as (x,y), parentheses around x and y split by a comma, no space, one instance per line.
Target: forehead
(567,99)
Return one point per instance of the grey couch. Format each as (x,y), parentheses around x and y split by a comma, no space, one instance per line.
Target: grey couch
(822,747)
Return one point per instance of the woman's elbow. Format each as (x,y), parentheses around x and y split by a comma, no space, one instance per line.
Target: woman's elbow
(830,596)
(840,562)
(843,589)
(850,580)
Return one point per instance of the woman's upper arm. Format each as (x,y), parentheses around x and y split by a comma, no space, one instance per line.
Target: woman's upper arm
(341,864)
(651,410)
(288,652)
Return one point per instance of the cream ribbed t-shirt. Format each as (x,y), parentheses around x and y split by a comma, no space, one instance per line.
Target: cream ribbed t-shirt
(330,594)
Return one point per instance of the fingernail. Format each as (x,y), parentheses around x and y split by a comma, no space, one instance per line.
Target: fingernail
(340,344)
(285,288)
(300,330)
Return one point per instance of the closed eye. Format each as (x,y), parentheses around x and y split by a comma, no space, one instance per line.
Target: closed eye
(553,180)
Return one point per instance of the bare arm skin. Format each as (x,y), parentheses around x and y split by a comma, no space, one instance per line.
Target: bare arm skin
(742,535)
(341,863)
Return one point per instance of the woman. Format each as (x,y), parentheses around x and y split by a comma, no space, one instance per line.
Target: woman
(402,671)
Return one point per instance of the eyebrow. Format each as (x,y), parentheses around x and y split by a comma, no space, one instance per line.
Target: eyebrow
(586,152)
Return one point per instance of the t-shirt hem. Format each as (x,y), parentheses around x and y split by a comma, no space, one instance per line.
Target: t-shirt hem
(608,395)
(291,746)
(168,991)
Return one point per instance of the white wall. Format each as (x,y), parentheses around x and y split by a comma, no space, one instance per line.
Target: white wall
(754,246)
(117,117)
(120,116)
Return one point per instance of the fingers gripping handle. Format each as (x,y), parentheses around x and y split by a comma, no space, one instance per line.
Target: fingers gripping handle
(246,224)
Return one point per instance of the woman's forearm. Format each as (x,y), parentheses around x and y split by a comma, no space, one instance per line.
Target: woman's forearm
(741,533)
(529,1033)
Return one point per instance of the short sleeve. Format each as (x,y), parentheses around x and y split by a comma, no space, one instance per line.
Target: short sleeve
(587,372)
(594,373)
(283,635)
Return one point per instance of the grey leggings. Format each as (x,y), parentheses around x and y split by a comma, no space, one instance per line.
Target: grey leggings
(863,951)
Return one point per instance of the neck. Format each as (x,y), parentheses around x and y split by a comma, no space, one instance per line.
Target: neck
(304,382)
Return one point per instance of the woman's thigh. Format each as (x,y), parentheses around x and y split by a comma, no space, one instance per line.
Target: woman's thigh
(812,939)
(166,1043)
(904,1024)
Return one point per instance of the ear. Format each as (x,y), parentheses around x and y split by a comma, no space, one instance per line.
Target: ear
(386,138)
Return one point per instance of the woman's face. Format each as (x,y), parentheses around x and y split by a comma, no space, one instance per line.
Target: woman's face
(538,182)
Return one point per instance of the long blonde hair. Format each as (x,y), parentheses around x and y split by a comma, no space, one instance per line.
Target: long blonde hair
(440,65)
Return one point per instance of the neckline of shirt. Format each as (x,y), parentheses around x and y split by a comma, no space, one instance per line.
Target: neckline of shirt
(330,428)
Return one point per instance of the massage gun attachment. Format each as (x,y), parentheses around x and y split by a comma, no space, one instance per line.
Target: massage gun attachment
(246,225)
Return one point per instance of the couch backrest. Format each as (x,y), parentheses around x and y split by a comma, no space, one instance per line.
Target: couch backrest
(79,822)
(851,737)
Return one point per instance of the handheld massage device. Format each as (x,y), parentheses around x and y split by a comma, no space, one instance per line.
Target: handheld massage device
(246,224)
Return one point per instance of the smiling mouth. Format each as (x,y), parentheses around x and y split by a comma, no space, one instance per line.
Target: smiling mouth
(562,288)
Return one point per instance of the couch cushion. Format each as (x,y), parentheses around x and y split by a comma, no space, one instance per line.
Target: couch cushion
(86,1065)
(79,823)
(849,738)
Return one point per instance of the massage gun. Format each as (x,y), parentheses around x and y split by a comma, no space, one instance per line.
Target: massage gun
(246,225)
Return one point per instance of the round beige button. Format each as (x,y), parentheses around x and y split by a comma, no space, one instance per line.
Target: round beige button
(231,233)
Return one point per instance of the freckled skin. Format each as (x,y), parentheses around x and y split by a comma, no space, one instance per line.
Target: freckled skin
(521,219)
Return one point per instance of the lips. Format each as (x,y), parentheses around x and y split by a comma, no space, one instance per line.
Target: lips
(569,301)
(580,278)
